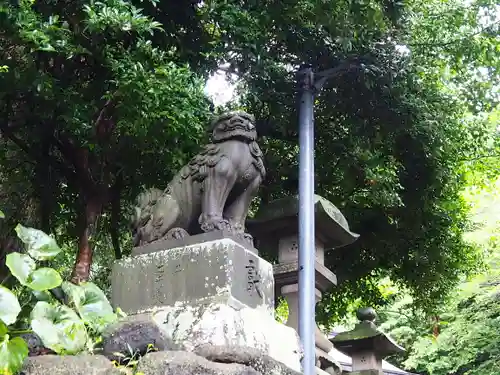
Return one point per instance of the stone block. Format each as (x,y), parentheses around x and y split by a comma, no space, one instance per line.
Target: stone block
(35,344)
(221,270)
(69,365)
(218,324)
(185,363)
(279,219)
(134,336)
(251,357)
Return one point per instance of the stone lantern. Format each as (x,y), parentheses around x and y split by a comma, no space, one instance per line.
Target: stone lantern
(366,344)
(275,228)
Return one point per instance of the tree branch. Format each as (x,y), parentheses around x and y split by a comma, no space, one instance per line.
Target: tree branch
(70,152)
(104,126)
(70,175)
(445,44)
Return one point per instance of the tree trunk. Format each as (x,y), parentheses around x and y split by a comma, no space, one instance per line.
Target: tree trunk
(45,194)
(435,328)
(92,210)
(115,215)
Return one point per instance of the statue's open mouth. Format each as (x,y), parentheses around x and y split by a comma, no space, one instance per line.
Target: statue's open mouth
(241,125)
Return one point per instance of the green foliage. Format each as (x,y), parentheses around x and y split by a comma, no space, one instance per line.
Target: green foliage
(459,336)
(91,305)
(401,128)
(281,312)
(462,39)
(66,328)
(38,245)
(12,353)
(467,344)
(107,110)
(391,139)
(59,327)
(132,360)
(10,307)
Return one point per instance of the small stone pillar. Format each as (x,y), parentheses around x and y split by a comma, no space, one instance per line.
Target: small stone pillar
(366,344)
(276,230)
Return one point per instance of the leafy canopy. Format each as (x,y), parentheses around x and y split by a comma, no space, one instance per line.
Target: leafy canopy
(93,110)
(459,337)
(396,127)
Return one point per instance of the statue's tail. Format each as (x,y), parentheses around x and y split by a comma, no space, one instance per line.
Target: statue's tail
(143,210)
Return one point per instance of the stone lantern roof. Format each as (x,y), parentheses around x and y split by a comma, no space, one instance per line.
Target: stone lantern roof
(279,218)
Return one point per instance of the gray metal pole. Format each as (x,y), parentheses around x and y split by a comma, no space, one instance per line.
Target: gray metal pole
(307,322)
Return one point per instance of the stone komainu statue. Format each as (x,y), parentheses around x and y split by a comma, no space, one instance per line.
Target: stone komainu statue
(212,192)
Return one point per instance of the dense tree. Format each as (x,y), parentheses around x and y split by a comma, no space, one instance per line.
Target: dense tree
(460,336)
(100,83)
(393,127)
(93,106)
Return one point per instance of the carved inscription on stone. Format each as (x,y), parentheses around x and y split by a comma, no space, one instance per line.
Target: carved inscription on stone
(253,279)
(178,268)
(221,271)
(159,273)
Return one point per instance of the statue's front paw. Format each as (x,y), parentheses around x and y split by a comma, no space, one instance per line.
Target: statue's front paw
(224,225)
(176,234)
(211,224)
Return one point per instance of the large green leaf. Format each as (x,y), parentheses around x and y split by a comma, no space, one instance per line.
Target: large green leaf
(44,279)
(9,306)
(13,352)
(2,215)
(3,329)
(21,266)
(42,295)
(91,303)
(59,327)
(40,245)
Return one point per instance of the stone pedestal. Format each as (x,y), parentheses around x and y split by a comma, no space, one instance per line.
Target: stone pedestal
(216,292)
(214,271)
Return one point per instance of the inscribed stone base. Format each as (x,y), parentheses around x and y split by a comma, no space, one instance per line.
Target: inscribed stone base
(221,271)
(223,325)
